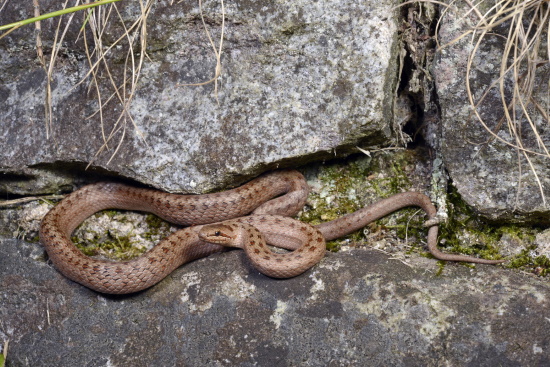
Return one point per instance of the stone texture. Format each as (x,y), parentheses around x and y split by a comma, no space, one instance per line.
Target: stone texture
(355,308)
(492,177)
(300,81)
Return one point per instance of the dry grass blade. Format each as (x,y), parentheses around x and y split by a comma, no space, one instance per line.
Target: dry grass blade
(4,3)
(217,52)
(28,199)
(39,50)
(58,41)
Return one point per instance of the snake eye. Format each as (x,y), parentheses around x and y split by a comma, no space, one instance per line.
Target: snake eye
(217,233)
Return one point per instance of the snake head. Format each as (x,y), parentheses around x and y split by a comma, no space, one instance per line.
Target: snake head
(220,234)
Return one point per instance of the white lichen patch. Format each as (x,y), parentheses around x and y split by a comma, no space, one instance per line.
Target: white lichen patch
(278,313)
(507,293)
(537,349)
(540,297)
(189,280)
(427,314)
(28,219)
(236,287)
(330,264)
(542,240)
(318,286)
(435,321)
(501,309)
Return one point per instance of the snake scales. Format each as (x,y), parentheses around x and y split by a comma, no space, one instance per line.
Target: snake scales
(271,198)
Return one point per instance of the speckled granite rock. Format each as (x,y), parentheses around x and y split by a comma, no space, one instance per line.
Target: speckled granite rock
(300,81)
(356,308)
(492,177)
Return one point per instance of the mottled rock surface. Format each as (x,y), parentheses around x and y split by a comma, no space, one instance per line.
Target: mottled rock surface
(492,177)
(300,81)
(355,308)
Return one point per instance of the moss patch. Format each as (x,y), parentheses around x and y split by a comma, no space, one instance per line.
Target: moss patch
(527,260)
(467,233)
(118,248)
(345,186)
(119,235)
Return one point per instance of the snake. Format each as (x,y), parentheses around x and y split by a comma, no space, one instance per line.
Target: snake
(248,217)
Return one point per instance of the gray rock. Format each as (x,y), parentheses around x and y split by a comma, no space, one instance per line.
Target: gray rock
(300,81)
(492,177)
(355,308)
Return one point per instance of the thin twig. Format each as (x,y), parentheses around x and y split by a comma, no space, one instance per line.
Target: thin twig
(28,199)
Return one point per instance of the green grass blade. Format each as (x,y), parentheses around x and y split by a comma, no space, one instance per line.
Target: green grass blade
(55,14)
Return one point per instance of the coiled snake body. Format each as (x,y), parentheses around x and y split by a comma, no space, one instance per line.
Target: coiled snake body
(268,222)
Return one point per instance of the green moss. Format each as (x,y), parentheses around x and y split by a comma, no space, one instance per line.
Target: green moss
(123,247)
(393,184)
(111,213)
(409,226)
(115,248)
(158,227)
(467,233)
(440,268)
(523,259)
(528,261)
(155,222)
(349,185)
(464,233)
(542,265)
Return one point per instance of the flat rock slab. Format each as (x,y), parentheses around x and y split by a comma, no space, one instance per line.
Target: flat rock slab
(355,308)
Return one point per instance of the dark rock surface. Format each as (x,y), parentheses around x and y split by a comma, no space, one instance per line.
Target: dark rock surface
(355,308)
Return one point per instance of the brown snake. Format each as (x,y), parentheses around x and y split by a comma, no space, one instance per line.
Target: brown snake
(259,197)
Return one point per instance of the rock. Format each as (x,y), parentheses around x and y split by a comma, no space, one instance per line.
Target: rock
(355,308)
(300,81)
(493,177)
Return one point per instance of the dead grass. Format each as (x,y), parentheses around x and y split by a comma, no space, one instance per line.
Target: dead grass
(120,92)
(527,22)
(217,52)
